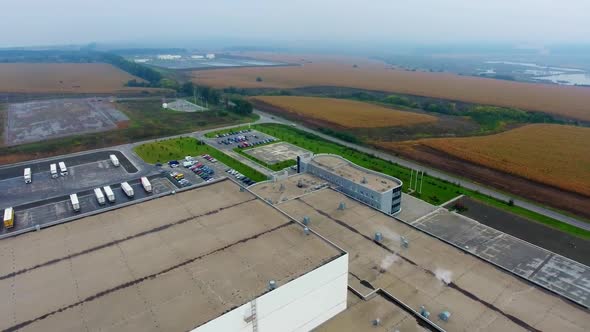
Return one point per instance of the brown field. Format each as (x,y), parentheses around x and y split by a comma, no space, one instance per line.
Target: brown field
(551,154)
(564,101)
(346,113)
(64,78)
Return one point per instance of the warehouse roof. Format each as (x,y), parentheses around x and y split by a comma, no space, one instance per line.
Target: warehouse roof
(171,263)
(342,167)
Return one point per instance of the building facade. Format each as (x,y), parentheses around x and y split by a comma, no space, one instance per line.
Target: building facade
(380,191)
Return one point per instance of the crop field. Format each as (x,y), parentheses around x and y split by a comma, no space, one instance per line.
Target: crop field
(346,113)
(64,78)
(571,102)
(552,154)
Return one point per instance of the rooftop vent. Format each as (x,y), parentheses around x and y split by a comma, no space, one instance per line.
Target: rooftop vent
(376,321)
(378,237)
(364,180)
(272,285)
(306,230)
(306,220)
(423,312)
(341,206)
(444,316)
(404,242)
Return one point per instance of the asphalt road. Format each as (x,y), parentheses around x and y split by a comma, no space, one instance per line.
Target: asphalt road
(266,118)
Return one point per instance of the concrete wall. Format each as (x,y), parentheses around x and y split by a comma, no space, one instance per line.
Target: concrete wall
(299,305)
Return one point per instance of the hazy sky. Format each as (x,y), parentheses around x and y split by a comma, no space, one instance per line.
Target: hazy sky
(44,22)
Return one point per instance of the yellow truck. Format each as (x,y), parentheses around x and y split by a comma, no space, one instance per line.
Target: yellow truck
(9,217)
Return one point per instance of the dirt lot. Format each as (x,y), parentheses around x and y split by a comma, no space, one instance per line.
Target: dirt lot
(64,78)
(372,75)
(551,154)
(39,120)
(544,194)
(530,231)
(346,113)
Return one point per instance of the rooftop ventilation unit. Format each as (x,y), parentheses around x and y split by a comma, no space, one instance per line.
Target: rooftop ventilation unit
(423,312)
(341,206)
(444,316)
(364,180)
(404,242)
(306,220)
(306,230)
(378,237)
(376,321)
(272,285)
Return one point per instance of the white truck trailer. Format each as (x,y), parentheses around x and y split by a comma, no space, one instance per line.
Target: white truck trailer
(114,160)
(75,202)
(9,217)
(63,170)
(27,175)
(99,196)
(127,189)
(110,194)
(53,170)
(146,184)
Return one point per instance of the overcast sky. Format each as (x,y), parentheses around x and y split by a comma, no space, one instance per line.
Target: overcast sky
(46,22)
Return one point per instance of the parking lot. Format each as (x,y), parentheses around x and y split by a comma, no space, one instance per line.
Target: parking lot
(84,172)
(237,139)
(195,173)
(276,152)
(59,208)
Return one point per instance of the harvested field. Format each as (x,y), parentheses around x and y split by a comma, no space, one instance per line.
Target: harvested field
(64,78)
(346,113)
(551,154)
(554,172)
(571,102)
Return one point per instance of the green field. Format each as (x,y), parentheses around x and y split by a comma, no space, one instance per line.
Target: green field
(178,148)
(434,190)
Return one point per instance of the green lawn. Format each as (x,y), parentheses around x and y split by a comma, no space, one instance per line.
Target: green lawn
(178,148)
(434,191)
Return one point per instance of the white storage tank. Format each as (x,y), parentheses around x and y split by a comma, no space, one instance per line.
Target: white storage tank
(27,175)
(99,196)
(75,202)
(127,189)
(53,170)
(110,194)
(114,160)
(146,184)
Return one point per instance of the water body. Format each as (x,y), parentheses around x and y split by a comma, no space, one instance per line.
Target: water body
(534,65)
(566,79)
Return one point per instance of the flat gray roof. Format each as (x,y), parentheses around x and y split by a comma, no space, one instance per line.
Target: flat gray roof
(354,173)
(171,263)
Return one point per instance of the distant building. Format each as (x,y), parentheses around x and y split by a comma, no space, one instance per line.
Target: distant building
(198,56)
(169,57)
(210,56)
(141,60)
(381,191)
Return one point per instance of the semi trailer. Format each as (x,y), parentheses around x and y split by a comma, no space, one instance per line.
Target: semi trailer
(27,175)
(110,194)
(114,160)
(53,170)
(63,170)
(75,202)
(99,196)
(146,184)
(127,189)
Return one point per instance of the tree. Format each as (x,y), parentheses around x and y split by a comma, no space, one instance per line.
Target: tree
(242,106)
(188,88)
(258,79)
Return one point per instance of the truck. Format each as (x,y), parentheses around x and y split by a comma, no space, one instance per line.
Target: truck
(127,189)
(114,160)
(8,217)
(146,184)
(75,202)
(63,170)
(53,170)
(99,196)
(28,178)
(110,194)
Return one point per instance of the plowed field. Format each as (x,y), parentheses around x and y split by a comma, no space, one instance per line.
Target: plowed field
(346,113)
(63,78)
(564,101)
